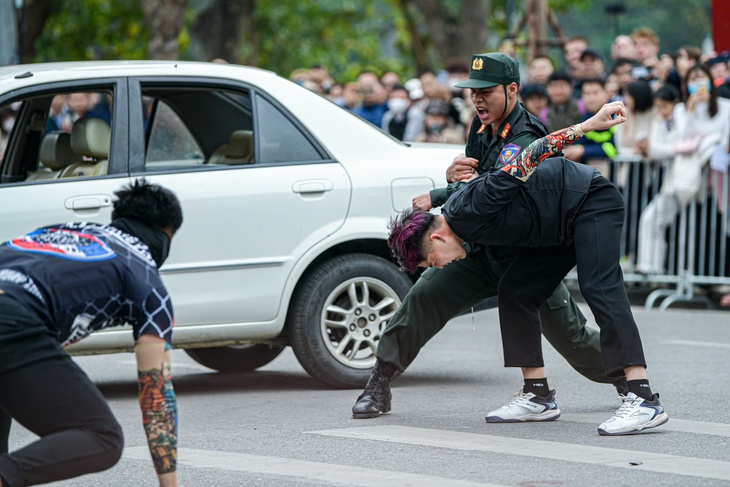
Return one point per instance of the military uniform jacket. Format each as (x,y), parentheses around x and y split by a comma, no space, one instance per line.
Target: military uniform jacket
(500,209)
(519,130)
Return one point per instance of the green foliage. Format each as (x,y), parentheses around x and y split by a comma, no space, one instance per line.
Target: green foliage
(677,22)
(347,36)
(344,35)
(93,29)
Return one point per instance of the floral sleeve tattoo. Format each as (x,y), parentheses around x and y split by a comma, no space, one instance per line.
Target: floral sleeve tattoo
(159,416)
(528,160)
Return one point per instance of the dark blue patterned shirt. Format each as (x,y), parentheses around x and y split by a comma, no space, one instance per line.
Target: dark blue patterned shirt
(82,277)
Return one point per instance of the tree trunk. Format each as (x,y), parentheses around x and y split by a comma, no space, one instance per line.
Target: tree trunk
(418,45)
(474,28)
(537,31)
(164,19)
(33,19)
(456,38)
(220,28)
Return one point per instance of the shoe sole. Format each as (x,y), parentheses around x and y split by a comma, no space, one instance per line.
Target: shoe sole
(533,418)
(385,410)
(635,430)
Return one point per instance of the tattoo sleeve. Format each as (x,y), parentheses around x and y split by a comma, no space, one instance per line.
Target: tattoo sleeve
(528,160)
(159,416)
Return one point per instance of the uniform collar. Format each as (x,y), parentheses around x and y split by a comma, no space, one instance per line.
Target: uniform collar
(504,129)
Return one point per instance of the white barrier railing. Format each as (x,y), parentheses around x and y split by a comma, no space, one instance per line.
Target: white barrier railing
(697,238)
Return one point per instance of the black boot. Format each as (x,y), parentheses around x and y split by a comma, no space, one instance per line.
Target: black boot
(376,397)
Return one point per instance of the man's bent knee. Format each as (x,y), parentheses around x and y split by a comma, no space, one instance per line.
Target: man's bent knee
(111,437)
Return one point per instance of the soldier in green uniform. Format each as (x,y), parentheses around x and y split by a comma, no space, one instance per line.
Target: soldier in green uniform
(501,129)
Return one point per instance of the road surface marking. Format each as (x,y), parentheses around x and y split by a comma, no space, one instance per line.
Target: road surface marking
(553,450)
(319,472)
(697,344)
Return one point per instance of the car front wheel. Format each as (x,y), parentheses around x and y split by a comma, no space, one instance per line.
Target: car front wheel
(338,314)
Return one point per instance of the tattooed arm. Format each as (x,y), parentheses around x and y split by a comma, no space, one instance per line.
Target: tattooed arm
(527,161)
(158,404)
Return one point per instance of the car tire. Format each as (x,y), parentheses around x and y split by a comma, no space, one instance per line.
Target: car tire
(338,313)
(243,358)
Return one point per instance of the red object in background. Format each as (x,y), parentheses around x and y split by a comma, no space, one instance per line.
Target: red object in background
(721,25)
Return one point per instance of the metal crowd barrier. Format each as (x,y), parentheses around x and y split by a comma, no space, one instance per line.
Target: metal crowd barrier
(697,239)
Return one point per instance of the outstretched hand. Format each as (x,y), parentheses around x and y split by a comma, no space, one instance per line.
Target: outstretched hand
(609,115)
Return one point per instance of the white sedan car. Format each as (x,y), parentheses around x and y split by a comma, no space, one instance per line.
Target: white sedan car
(286,198)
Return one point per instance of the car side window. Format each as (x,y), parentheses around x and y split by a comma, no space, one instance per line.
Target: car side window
(196,128)
(169,140)
(280,139)
(8,113)
(56,136)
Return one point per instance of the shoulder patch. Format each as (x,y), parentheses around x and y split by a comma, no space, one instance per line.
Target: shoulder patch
(509,153)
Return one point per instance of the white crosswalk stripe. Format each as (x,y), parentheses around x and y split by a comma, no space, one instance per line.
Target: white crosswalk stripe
(319,472)
(693,343)
(331,474)
(553,450)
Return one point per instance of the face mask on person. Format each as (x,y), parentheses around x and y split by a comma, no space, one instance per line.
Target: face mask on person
(698,86)
(8,124)
(398,105)
(434,128)
(156,240)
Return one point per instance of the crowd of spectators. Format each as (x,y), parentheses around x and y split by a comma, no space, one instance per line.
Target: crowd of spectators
(427,108)
(430,108)
(677,103)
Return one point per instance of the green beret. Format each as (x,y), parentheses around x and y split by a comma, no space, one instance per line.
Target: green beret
(491,69)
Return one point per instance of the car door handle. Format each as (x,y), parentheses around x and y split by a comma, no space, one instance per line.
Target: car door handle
(88,202)
(312,186)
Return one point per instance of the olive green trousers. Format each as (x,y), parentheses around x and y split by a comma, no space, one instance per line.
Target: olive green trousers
(441,294)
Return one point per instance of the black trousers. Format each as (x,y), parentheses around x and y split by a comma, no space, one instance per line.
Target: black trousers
(45,391)
(441,294)
(535,272)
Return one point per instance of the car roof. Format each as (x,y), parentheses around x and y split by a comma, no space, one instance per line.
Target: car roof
(45,72)
(311,109)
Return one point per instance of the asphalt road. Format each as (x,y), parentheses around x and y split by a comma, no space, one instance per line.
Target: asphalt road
(277,427)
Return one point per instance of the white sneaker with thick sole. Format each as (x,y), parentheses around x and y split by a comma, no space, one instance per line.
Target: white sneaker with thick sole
(526,407)
(634,416)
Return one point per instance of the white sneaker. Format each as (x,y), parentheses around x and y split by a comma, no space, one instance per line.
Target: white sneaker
(526,407)
(635,415)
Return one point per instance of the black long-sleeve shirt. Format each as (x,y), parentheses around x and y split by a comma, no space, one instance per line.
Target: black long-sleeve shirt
(500,209)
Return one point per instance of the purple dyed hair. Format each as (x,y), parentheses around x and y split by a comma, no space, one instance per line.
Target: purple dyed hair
(406,240)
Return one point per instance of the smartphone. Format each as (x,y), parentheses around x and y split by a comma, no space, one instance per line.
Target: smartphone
(639,72)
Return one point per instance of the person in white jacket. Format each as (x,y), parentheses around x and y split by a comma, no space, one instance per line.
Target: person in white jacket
(689,136)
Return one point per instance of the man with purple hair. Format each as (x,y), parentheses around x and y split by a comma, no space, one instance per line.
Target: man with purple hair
(501,129)
(561,214)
